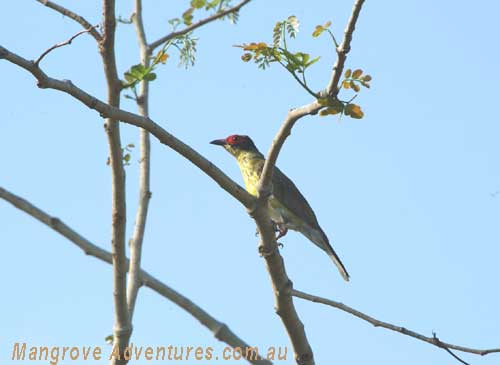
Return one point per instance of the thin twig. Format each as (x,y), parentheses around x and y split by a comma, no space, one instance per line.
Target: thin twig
(220,330)
(377,323)
(196,25)
(76,17)
(455,356)
(65,43)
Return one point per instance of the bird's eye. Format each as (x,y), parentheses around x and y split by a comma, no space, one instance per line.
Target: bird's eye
(235,139)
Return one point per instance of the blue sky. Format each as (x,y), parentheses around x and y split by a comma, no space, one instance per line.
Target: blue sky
(407,195)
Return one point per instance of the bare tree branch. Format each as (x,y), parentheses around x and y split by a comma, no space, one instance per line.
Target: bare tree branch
(106,110)
(137,239)
(333,89)
(432,340)
(282,286)
(196,25)
(70,14)
(62,44)
(220,330)
(286,127)
(122,327)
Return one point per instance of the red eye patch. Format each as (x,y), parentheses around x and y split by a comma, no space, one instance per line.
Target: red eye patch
(235,139)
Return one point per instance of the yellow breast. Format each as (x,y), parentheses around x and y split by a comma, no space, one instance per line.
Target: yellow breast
(250,169)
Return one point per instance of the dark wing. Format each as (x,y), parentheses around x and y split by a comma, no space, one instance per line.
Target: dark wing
(287,194)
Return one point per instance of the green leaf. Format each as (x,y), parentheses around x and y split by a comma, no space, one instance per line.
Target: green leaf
(317,31)
(198,4)
(138,71)
(187,16)
(150,76)
(320,29)
(212,4)
(109,339)
(314,60)
(129,77)
(347,73)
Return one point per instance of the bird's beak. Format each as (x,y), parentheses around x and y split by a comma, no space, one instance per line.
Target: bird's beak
(219,142)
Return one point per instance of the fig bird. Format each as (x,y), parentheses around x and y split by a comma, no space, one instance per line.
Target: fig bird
(288,208)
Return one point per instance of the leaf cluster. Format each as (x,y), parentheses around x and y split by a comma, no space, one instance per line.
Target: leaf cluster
(352,79)
(213,6)
(335,106)
(264,54)
(126,156)
(139,72)
(296,63)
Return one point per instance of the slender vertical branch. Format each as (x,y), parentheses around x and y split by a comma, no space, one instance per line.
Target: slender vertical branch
(122,327)
(137,239)
(333,85)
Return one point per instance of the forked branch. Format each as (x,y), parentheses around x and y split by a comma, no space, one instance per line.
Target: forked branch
(106,110)
(220,330)
(196,25)
(62,44)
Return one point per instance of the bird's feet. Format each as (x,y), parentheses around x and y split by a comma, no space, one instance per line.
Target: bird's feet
(281,229)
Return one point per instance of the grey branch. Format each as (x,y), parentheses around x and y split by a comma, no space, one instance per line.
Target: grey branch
(333,89)
(432,340)
(282,286)
(62,44)
(196,25)
(122,325)
(137,239)
(220,330)
(70,14)
(106,110)
(281,283)
(295,114)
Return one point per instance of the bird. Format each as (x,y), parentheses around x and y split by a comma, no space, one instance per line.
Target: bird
(288,208)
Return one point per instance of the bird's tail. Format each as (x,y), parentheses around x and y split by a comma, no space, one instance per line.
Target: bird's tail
(319,238)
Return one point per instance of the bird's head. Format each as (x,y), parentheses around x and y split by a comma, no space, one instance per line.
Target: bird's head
(236,144)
